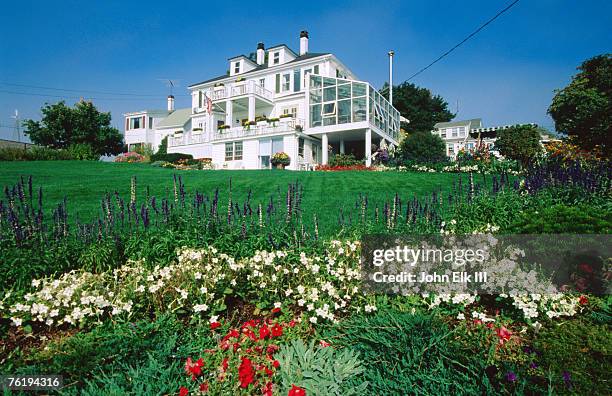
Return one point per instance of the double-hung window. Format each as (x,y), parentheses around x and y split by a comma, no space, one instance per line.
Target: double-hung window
(286,82)
(233,151)
(237,67)
(276,58)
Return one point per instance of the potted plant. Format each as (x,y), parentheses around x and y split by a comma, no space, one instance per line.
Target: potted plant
(223,127)
(280,160)
(261,120)
(248,124)
(273,121)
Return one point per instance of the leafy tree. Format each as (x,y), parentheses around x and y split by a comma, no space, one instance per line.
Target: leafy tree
(62,126)
(520,143)
(423,147)
(583,109)
(418,105)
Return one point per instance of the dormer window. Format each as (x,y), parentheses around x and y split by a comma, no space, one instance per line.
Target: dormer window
(237,67)
(276,58)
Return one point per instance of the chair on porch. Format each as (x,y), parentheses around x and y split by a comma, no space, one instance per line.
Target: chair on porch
(303,165)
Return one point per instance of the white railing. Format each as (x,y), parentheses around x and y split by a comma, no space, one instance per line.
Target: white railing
(186,139)
(239,89)
(284,125)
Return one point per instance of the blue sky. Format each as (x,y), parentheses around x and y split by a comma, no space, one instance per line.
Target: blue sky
(506,74)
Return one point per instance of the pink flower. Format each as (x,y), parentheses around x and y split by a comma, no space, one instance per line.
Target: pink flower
(504,334)
(584,300)
(324,344)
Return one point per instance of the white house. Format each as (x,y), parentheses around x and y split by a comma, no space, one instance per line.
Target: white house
(308,105)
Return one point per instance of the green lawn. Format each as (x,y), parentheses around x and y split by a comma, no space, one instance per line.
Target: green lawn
(84,183)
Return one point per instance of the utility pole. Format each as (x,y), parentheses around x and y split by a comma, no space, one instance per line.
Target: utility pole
(391,53)
(17,125)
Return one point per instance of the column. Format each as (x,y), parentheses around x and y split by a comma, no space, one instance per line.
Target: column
(324,149)
(229,113)
(251,107)
(368,147)
(341,146)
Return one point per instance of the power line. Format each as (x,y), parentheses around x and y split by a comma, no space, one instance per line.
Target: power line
(475,32)
(73,97)
(83,90)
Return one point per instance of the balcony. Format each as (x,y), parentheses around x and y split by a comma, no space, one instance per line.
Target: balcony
(185,139)
(286,125)
(241,89)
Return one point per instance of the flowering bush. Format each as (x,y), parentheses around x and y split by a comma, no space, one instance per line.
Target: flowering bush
(323,287)
(280,158)
(130,157)
(328,168)
(244,360)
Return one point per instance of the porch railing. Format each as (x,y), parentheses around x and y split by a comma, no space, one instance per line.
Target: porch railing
(287,125)
(186,139)
(239,89)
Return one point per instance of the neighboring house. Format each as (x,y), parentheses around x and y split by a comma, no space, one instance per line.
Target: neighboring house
(308,105)
(465,135)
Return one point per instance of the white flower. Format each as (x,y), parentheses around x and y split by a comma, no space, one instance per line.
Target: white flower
(200,307)
(213,319)
(461,316)
(301,302)
(313,319)
(17,321)
(369,308)
(278,305)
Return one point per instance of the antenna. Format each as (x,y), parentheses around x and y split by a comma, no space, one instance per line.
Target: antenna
(171,83)
(457,108)
(17,125)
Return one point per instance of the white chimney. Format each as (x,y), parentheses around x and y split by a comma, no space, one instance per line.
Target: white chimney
(170,103)
(303,42)
(261,53)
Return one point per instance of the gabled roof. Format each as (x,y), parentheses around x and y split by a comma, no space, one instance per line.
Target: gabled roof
(308,55)
(155,111)
(177,119)
(473,123)
(282,45)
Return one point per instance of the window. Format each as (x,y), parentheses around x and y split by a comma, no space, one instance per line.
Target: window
(301,147)
(262,82)
(229,151)
(278,145)
(151,122)
(344,111)
(237,67)
(290,110)
(454,132)
(469,146)
(461,132)
(316,69)
(238,150)
(278,83)
(451,149)
(296,80)
(276,58)
(135,123)
(200,99)
(306,73)
(286,86)
(329,109)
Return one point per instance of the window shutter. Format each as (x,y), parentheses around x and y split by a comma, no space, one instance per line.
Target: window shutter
(200,99)
(144,125)
(127,124)
(278,77)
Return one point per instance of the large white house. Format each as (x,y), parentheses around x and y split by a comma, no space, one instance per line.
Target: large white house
(308,105)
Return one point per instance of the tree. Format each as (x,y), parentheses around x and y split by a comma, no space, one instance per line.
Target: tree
(583,109)
(423,147)
(63,126)
(519,142)
(418,105)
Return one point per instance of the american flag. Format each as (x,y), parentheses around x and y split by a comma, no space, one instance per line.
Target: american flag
(209,104)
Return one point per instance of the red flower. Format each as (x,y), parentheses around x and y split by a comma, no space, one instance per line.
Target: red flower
(204,387)
(477,321)
(584,267)
(490,325)
(264,332)
(194,368)
(183,391)
(276,364)
(271,349)
(267,389)
(503,334)
(246,374)
(277,330)
(324,344)
(584,300)
(215,325)
(296,391)
(224,364)
(276,310)
(292,323)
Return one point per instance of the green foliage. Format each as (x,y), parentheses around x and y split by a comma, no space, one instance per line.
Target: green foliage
(61,126)
(320,371)
(560,218)
(423,148)
(144,357)
(82,151)
(520,143)
(344,160)
(170,157)
(581,348)
(409,352)
(420,106)
(583,109)
(163,146)
(34,154)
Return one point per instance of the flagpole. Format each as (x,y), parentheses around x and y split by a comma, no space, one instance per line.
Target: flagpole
(391,53)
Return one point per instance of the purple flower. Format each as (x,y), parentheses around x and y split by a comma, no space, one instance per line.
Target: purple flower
(533,365)
(510,376)
(567,379)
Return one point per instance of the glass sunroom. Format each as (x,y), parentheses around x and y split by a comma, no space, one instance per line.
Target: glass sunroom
(348,112)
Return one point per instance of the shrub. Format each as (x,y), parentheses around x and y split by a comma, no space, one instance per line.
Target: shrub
(344,160)
(404,351)
(320,370)
(83,151)
(171,157)
(34,153)
(559,219)
(423,147)
(520,143)
(130,156)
